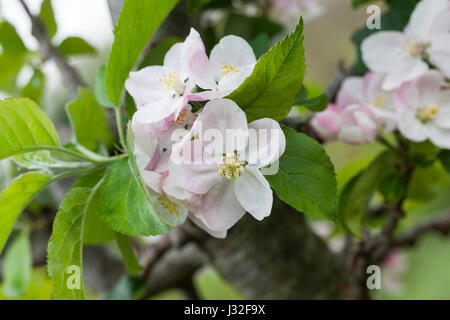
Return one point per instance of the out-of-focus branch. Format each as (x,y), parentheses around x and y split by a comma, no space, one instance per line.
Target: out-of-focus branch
(70,76)
(340,77)
(440,225)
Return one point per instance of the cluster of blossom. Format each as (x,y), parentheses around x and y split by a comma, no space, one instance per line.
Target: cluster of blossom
(287,12)
(407,88)
(184,155)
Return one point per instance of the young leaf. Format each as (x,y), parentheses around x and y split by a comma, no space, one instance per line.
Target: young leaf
(35,87)
(100,90)
(16,197)
(128,254)
(22,125)
(137,23)
(48,18)
(17,267)
(358,192)
(444,157)
(74,46)
(306,178)
(128,209)
(88,120)
(270,90)
(316,104)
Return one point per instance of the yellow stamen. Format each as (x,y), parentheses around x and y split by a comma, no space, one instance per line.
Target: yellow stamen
(171,81)
(428,113)
(168,205)
(380,101)
(227,68)
(230,167)
(415,49)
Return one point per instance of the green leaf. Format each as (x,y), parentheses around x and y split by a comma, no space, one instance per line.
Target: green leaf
(125,203)
(156,55)
(100,90)
(393,187)
(306,178)
(128,254)
(316,104)
(65,247)
(444,157)
(270,90)
(48,18)
(260,44)
(194,5)
(35,87)
(74,46)
(12,57)
(137,23)
(88,120)
(16,197)
(22,125)
(17,267)
(357,193)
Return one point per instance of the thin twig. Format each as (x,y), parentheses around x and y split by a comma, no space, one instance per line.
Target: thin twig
(69,74)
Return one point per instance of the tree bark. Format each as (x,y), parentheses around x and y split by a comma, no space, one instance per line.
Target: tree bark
(280,258)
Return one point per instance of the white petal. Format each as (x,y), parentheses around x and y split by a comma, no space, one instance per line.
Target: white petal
(195,172)
(174,58)
(232,80)
(414,69)
(224,118)
(266,142)
(146,142)
(411,127)
(170,212)
(384,52)
(440,53)
(231,50)
(221,209)
(159,110)
(351,92)
(424,17)
(440,137)
(253,193)
(143,84)
(222,234)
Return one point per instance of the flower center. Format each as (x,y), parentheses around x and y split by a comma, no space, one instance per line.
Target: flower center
(380,101)
(171,81)
(227,68)
(428,113)
(168,205)
(416,48)
(230,166)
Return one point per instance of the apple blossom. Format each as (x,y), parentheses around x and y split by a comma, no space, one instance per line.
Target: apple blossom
(424,110)
(231,61)
(225,172)
(404,56)
(161,92)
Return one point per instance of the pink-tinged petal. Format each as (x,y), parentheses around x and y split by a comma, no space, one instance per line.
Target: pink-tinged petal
(202,225)
(372,85)
(253,193)
(152,179)
(266,142)
(196,62)
(385,52)
(352,135)
(159,110)
(424,17)
(220,208)
(411,127)
(143,85)
(414,69)
(174,57)
(195,171)
(440,137)
(208,95)
(232,80)
(143,138)
(222,117)
(179,195)
(357,125)
(326,123)
(231,51)
(439,53)
(170,212)
(351,92)
(442,119)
